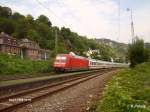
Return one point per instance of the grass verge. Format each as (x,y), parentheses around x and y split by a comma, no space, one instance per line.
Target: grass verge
(10,65)
(128,91)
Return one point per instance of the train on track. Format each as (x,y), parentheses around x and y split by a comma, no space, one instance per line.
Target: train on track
(72,62)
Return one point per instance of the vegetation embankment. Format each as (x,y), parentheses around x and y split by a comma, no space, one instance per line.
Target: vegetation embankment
(137,52)
(128,91)
(15,65)
(42,31)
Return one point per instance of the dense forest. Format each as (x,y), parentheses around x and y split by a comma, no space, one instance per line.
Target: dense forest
(43,32)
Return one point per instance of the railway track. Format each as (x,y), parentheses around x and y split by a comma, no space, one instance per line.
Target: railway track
(12,102)
(34,76)
(14,86)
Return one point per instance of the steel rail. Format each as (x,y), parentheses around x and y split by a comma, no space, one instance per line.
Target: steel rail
(2,99)
(58,87)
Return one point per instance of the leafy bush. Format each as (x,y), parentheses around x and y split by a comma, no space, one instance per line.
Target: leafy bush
(128,91)
(137,52)
(13,65)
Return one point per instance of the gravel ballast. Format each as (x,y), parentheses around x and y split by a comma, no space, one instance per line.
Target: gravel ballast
(78,98)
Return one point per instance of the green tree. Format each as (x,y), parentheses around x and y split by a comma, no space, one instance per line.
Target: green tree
(17,16)
(6,25)
(137,53)
(45,20)
(30,18)
(65,32)
(5,12)
(30,21)
(21,29)
(41,31)
(33,35)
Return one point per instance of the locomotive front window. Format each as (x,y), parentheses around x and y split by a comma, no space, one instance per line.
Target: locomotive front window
(60,59)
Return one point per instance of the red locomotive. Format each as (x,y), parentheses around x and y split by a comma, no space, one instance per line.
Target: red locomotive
(72,62)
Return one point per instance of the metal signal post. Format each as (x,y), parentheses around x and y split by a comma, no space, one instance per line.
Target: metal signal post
(132,25)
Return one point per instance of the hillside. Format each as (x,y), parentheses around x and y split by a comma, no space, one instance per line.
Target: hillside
(147,45)
(112,43)
(120,47)
(44,33)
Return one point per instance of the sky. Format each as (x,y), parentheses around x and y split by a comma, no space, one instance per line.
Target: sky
(91,18)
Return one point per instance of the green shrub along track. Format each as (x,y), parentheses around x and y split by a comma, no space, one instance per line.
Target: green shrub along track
(128,91)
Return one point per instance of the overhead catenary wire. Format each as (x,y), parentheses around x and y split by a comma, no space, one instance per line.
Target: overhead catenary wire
(60,19)
(7,6)
(49,10)
(55,30)
(74,16)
